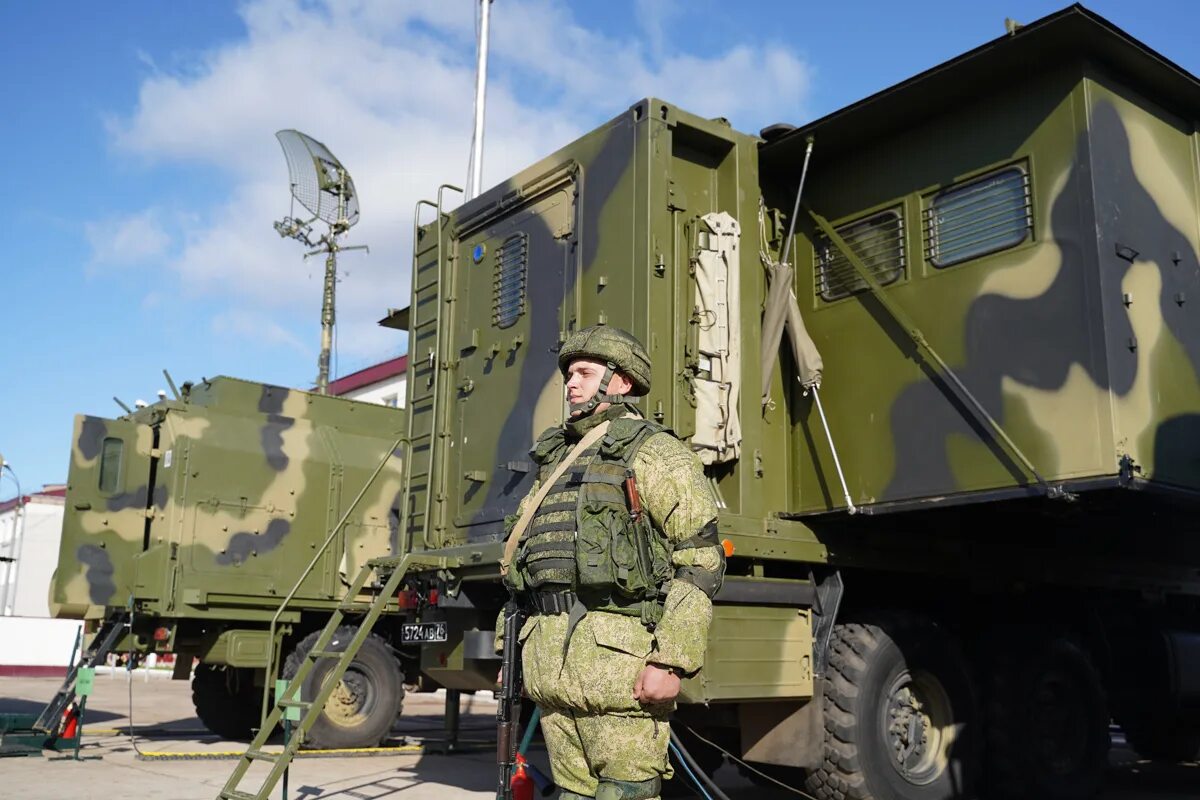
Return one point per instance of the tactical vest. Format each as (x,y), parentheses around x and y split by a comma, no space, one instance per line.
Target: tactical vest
(584,537)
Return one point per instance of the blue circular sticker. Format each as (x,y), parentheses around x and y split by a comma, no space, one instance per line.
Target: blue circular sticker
(477,253)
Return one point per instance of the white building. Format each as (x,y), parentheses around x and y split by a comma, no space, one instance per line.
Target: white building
(382,383)
(30,531)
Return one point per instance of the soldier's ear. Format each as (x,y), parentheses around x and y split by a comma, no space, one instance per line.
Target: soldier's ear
(620,384)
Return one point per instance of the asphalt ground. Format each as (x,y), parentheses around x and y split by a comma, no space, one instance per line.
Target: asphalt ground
(180,760)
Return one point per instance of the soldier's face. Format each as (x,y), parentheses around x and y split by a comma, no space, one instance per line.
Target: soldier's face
(583,381)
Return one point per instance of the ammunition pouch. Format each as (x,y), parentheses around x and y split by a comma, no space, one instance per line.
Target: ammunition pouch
(618,562)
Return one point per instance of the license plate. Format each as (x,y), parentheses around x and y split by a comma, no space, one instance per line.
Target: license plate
(418,632)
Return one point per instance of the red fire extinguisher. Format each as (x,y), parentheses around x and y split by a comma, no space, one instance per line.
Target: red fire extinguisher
(70,721)
(522,781)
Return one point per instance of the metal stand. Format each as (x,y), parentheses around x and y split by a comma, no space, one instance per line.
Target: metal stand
(453,697)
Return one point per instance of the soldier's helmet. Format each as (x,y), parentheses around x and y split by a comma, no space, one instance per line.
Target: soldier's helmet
(614,346)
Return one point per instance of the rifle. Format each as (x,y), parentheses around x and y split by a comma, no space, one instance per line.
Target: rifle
(508,707)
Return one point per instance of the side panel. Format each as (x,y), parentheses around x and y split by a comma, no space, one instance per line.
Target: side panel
(1020,327)
(509,366)
(1144,166)
(755,653)
(105,522)
(257,491)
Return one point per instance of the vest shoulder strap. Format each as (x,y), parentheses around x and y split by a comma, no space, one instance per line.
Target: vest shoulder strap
(510,546)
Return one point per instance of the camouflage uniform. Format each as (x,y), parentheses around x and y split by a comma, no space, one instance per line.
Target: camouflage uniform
(581,668)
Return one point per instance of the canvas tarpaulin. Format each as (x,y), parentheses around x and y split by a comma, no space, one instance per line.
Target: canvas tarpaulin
(718,436)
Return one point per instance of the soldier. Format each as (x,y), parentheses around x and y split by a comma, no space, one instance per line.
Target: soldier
(616,558)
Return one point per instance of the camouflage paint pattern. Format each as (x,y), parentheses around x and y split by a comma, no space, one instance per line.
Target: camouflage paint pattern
(220,501)
(1066,338)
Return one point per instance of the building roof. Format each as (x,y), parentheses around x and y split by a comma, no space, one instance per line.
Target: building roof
(372,374)
(56,490)
(1071,33)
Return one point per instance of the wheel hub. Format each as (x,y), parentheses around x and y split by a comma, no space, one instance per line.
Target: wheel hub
(352,700)
(918,727)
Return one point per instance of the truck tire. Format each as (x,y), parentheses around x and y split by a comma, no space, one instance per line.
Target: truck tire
(1047,720)
(900,714)
(1172,738)
(363,708)
(226,701)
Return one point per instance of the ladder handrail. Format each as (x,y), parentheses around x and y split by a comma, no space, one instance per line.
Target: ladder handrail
(436,367)
(444,297)
(291,694)
(412,368)
(267,684)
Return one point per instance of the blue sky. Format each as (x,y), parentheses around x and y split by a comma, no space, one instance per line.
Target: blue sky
(144,175)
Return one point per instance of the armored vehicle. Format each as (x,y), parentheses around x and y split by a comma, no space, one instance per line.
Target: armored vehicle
(962,535)
(194,517)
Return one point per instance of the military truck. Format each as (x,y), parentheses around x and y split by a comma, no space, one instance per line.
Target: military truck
(196,516)
(962,535)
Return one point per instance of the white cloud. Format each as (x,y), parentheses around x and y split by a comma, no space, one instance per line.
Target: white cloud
(127,241)
(389,87)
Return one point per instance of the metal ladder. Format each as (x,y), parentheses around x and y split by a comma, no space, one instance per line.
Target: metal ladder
(388,574)
(103,642)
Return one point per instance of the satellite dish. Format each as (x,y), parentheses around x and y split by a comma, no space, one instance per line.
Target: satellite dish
(322,185)
(319,181)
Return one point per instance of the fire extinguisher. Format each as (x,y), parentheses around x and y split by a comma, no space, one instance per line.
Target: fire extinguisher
(70,721)
(521,783)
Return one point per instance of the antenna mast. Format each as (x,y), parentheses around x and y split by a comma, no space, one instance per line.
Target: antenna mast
(322,185)
(475,170)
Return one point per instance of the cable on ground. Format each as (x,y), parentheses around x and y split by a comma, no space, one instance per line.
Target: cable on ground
(757,772)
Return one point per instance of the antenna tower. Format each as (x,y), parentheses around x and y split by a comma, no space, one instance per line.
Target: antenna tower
(324,188)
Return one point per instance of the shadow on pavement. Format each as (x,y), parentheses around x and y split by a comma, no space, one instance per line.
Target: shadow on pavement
(12,705)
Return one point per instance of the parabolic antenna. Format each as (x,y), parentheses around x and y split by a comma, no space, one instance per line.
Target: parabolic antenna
(322,185)
(319,181)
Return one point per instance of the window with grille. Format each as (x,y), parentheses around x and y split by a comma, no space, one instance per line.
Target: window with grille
(979,217)
(877,240)
(508,293)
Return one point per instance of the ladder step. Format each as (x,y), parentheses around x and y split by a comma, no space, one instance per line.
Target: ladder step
(262,755)
(354,608)
(316,654)
(233,794)
(293,704)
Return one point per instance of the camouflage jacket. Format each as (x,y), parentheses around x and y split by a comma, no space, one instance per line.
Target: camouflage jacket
(682,510)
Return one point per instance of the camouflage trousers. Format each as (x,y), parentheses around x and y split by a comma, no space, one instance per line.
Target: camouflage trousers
(603,743)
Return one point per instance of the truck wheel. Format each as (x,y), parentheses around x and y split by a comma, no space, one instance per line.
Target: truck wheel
(226,700)
(1047,726)
(900,714)
(1163,738)
(367,700)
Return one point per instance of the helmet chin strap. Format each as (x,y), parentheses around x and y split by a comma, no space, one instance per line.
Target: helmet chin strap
(588,407)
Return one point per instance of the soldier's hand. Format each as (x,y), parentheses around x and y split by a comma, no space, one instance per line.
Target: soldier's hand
(656,685)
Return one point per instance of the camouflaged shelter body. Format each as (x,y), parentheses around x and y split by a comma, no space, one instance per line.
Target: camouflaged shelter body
(207,509)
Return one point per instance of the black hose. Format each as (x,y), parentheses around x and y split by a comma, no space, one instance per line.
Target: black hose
(700,774)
